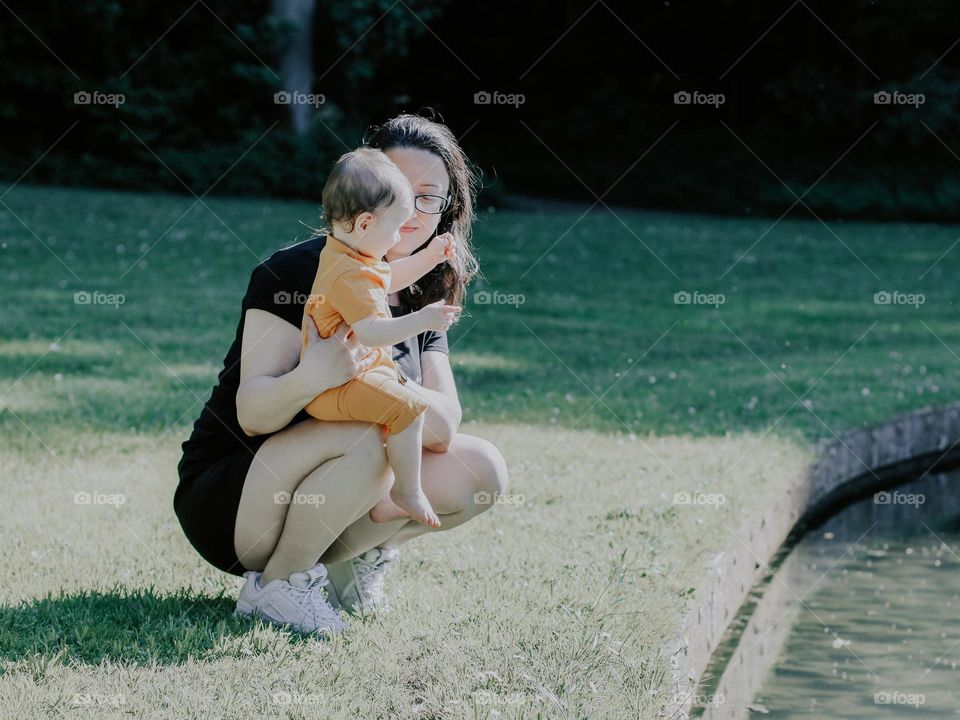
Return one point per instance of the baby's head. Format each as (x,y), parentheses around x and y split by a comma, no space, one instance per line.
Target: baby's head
(366,200)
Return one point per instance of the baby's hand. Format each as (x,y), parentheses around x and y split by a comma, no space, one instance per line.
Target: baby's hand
(439,316)
(442,248)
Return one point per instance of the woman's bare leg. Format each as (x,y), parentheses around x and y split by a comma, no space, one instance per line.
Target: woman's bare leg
(307,483)
(451,480)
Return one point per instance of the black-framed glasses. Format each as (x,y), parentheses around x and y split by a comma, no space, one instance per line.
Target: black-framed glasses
(431,204)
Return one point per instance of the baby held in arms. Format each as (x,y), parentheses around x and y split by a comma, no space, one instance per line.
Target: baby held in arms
(366,200)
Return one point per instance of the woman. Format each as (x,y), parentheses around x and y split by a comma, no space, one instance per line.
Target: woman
(265,488)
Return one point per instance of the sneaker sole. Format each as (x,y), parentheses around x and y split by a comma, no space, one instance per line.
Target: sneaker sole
(255,614)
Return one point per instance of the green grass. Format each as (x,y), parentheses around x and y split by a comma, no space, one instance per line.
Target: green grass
(558,604)
(595,304)
(606,397)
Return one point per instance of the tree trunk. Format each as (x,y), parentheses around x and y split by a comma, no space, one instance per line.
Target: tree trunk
(296,59)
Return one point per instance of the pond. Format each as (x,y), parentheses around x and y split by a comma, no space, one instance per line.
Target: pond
(861,619)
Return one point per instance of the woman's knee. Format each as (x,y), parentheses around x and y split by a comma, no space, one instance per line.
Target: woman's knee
(367,457)
(361,442)
(487,465)
(368,444)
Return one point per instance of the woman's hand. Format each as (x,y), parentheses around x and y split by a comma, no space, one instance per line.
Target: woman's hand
(329,363)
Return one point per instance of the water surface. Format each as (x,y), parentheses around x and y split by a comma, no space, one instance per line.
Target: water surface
(862,619)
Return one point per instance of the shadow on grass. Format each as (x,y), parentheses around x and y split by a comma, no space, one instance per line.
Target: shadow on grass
(138,627)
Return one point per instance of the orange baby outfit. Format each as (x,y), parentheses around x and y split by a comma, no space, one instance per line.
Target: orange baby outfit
(349,287)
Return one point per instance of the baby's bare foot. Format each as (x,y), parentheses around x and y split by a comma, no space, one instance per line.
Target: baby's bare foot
(387,510)
(416,506)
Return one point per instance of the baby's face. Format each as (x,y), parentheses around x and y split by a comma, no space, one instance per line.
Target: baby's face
(385,231)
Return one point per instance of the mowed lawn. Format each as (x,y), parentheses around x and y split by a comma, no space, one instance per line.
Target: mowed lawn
(577,355)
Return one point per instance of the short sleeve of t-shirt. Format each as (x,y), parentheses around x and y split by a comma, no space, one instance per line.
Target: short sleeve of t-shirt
(279,285)
(435,341)
(358,294)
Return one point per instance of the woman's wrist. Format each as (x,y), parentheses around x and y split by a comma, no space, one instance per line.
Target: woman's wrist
(308,384)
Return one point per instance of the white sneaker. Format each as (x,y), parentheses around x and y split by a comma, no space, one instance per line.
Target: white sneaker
(357,585)
(298,603)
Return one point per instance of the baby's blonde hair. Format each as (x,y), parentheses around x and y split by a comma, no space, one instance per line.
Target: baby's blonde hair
(362,180)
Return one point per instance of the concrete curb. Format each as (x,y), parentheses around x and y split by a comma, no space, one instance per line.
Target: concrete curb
(861,462)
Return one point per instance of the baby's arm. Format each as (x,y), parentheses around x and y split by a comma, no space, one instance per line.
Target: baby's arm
(406,271)
(376,331)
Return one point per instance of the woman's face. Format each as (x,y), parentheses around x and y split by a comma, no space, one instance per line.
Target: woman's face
(428,176)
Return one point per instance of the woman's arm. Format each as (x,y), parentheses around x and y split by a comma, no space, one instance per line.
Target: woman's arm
(442,419)
(275,384)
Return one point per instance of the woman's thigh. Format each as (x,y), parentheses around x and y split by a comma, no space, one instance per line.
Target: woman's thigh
(280,466)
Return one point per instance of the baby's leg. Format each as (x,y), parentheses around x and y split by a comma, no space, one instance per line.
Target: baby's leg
(404,450)
(377,396)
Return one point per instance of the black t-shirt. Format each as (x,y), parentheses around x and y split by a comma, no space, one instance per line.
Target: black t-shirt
(279,285)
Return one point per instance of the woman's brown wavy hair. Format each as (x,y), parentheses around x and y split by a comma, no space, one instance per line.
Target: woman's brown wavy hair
(448,281)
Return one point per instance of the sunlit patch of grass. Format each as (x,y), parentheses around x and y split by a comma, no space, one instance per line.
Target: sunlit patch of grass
(480,361)
(106,597)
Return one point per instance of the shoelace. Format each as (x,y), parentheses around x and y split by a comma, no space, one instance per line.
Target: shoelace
(370,581)
(311,599)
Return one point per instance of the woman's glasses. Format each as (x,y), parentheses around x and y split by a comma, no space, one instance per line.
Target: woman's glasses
(431,204)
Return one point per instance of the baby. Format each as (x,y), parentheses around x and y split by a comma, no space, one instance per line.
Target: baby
(365,202)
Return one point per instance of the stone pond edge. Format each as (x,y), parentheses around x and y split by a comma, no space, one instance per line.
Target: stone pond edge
(859,462)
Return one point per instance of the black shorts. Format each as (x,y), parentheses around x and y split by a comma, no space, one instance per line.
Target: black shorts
(206,503)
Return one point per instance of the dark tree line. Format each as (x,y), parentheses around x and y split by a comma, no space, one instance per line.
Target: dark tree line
(728,106)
